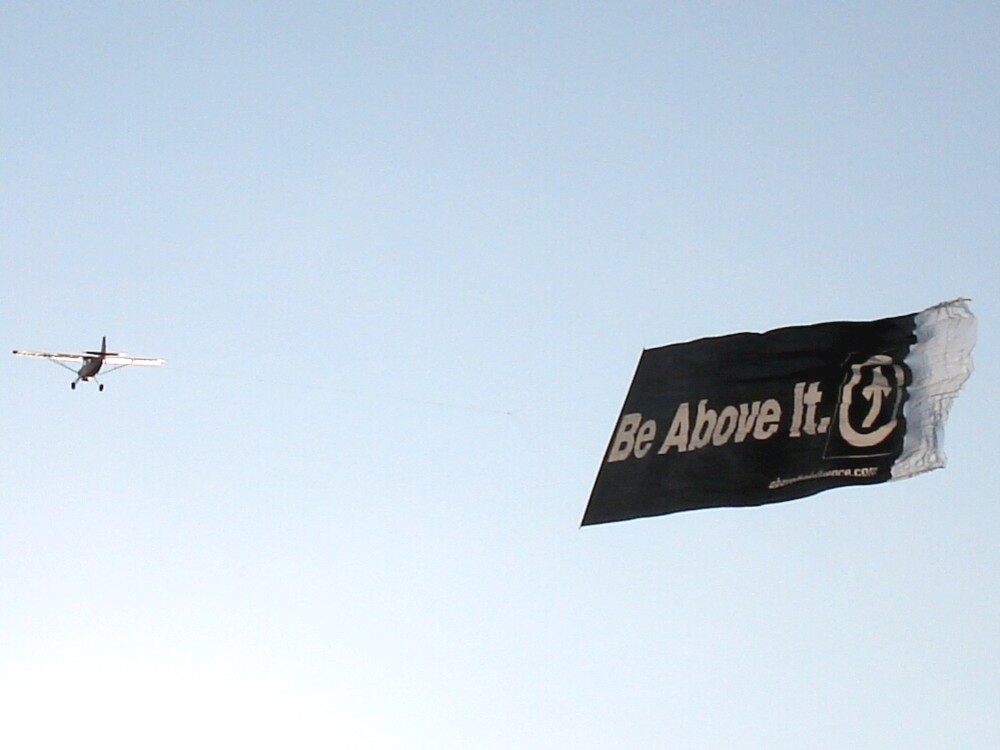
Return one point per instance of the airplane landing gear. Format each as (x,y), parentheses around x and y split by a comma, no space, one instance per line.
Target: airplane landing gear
(100,387)
(72,386)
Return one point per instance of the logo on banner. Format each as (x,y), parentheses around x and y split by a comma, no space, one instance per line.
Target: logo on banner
(868,418)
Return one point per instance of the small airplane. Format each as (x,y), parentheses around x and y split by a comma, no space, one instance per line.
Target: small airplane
(91,363)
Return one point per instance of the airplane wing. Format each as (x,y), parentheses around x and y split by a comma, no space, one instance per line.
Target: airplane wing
(50,355)
(123,360)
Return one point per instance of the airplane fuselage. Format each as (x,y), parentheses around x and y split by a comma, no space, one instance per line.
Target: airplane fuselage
(91,366)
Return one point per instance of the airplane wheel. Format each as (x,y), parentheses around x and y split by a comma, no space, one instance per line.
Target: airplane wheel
(100,387)
(72,386)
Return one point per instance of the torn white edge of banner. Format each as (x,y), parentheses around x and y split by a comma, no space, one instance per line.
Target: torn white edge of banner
(941,362)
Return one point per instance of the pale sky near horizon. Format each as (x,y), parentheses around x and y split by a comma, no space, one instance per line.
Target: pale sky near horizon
(402,262)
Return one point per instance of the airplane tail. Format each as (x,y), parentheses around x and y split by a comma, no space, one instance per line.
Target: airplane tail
(104,348)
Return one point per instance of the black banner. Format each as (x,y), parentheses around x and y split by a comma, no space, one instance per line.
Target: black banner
(755,418)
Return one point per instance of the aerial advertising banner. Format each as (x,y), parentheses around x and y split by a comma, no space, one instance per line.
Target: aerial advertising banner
(756,418)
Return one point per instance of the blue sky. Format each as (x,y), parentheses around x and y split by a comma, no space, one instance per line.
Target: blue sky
(402,262)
